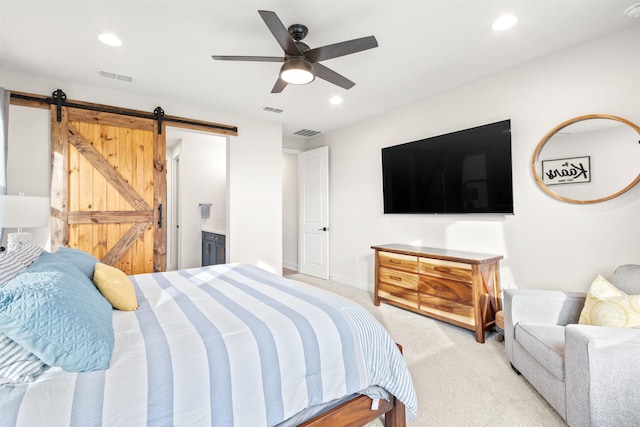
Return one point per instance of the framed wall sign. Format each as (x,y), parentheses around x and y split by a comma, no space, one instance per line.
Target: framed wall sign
(566,171)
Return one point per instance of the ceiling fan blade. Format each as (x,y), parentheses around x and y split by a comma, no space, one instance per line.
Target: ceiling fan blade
(248,58)
(341,49)
(332,77)
(279,86)
(279,31)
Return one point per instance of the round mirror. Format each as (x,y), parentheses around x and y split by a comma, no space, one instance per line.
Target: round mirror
(588,159)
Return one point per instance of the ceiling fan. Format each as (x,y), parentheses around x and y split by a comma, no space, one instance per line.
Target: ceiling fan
(301,63)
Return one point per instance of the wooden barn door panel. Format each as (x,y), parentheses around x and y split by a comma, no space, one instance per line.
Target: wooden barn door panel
(115,184)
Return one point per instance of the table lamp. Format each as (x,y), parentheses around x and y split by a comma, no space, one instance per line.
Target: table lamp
(23,212)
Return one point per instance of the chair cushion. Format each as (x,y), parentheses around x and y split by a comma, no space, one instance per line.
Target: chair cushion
(545,343)
(606,305)
(627,278)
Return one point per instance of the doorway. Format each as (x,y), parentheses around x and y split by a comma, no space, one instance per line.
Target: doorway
(305,205)
(313,212)
(197,177)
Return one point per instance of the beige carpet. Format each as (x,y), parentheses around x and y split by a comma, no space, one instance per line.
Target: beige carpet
(458,381)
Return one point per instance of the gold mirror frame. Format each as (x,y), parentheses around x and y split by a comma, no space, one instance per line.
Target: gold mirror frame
(552,132)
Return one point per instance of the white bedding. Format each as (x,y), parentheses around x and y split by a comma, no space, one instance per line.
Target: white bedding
(242,347)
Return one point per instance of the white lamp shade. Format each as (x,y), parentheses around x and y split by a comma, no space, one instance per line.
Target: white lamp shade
(24,211)
(297,71)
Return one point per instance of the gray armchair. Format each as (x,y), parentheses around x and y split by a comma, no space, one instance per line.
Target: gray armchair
(589,374)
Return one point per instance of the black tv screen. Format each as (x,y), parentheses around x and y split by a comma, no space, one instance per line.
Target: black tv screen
(468,171)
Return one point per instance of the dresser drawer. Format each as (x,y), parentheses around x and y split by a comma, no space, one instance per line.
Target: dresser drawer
(446,269)
(398,294)
(448,285)
(398,278)
(460,312)
(451,290)
(398,261)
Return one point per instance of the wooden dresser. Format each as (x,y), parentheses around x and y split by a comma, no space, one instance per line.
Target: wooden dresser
(461,288)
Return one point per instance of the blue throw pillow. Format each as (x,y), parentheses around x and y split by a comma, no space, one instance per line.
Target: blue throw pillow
(54,311)
(81,259)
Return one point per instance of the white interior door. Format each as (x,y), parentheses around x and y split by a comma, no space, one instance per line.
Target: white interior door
(313,215)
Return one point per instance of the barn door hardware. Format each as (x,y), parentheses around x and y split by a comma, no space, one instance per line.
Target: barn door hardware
(59,97)
(159,115)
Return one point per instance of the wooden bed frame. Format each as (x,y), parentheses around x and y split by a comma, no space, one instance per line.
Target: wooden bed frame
(358,412)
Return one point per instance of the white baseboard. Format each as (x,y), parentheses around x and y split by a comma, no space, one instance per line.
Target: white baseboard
(363,286)
(290,265)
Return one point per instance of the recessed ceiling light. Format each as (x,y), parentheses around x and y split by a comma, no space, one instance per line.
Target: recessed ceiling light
(110,39)
(336,100)
(504,22)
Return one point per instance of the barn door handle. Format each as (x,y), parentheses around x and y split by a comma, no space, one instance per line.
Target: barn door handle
(160,215)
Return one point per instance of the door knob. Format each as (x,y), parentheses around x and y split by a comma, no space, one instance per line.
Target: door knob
(322,229)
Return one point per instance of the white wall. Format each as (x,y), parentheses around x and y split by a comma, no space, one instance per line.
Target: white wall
(546,243)
(254,175)
(28,167)
(202,180)
(172,212)
(291,147)
(290,209)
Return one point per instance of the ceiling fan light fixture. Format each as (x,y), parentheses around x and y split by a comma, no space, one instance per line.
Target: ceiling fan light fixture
(297,71)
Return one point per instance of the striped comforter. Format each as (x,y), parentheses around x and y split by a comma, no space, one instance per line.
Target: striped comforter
(227,345)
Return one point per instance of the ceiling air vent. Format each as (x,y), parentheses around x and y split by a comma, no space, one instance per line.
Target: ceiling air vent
(307,133)
(633,11)
(273,110)
(115,76)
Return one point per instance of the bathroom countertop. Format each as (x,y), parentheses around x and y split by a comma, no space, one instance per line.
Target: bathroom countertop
(214,230)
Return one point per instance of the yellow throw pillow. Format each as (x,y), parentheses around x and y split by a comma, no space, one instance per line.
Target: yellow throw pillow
(607,305)
(115,286)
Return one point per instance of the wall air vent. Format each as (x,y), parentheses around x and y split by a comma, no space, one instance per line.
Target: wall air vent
(273,110)
(115,76)
(307,133)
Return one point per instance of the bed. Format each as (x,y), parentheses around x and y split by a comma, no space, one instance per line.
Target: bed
(225,345)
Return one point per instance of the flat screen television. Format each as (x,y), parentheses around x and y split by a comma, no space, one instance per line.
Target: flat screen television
(467,171)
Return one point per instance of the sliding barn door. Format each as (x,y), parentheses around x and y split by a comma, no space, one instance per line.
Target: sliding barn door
(109,188)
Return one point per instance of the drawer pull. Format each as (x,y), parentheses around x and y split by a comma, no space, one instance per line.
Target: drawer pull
(441,269)
(394,261)
(443,308)
(442,288)
(398,278)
